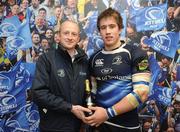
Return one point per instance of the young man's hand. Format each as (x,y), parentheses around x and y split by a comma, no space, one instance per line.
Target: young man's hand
(99,116)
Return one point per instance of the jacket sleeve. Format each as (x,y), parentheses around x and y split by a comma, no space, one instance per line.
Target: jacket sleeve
(41,93)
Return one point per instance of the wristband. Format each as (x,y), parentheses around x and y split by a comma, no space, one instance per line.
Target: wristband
(111,112)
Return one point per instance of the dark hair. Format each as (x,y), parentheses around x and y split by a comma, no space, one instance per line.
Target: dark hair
(42,9)
(110,13)
(166,57)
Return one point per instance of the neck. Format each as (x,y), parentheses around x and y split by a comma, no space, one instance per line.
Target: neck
(110,48)
(71,52)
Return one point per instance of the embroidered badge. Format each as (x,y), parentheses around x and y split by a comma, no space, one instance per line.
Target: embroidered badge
(61,73)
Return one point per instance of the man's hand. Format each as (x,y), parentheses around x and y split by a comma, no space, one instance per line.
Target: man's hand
(99,116)
(78,111)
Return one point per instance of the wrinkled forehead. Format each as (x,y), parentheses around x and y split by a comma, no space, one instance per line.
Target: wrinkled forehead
(70,25)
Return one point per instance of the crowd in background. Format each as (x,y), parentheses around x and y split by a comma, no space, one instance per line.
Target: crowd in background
(46,17)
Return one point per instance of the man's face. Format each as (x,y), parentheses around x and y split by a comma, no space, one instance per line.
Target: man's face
(56,38)
(39,21)
(177,107)
(15,9)
(2,9)
(35,3)
(25,4)
(11,2)
(110,31)
(58,12)
(69,35)
(35,39)
(45,44)
(165,62)
(71,3)
(42,13)
(130,33)
(49,34)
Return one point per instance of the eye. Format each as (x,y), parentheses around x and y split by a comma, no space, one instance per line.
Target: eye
(65,33)
(112,26)
(103,27)
(74,34)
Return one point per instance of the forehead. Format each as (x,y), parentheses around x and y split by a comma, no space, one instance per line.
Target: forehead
(44,40)
(15,6)
(107,21)
(69,26)
(35,35)
(49,31)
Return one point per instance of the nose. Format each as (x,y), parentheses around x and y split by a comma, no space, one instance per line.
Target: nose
(108,30)
(70,36)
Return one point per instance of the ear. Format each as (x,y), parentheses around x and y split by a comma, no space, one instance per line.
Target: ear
(120,30)
(78,39)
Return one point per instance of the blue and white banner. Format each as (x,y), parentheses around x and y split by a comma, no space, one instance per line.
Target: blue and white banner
(21,40)
(29,73)
(178,72)
(17,33)
(133,7)
(2,123)
(123,33)
(151,18)
(14,84)
(95,43)
(163,95)
(9,26)
(155,71)
(26,119)
(17,122)
(165,43)
(8,101)
(33,117)
(91,24)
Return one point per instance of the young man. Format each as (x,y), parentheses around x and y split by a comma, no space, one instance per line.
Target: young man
(122,78)
(58,87)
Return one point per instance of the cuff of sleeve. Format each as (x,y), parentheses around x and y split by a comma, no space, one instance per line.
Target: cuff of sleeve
(111,112)
(69,107)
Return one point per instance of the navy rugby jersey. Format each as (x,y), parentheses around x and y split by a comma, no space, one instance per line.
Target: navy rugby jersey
(113,71)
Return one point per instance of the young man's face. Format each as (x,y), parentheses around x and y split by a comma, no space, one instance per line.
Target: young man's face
(42,13)
(110,32)
(36,39)
(69,35)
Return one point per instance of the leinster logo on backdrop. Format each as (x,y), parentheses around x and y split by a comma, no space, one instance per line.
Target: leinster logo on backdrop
(161,41)
(7,29)
(14,124)
(15,42)
(32,116)
(22,77)
(154,15)
(4,84)
(7,103)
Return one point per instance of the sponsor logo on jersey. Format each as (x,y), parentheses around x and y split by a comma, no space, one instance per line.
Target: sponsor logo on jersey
(106,70)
